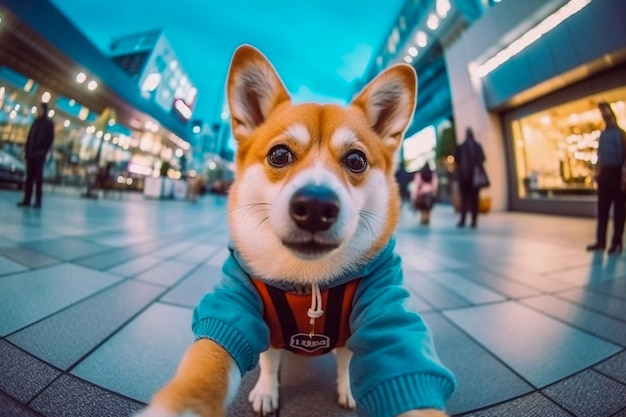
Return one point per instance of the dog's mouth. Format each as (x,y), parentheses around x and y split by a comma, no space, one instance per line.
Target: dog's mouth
(310,248)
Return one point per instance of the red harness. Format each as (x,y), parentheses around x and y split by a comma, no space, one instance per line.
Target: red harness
(285,313)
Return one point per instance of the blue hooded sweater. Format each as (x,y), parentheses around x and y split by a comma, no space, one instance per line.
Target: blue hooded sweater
(394,367)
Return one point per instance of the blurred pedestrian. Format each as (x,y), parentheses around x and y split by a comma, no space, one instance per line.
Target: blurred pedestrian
(424,192)
(403,178)
(39,142)
(469,157)
(611,159)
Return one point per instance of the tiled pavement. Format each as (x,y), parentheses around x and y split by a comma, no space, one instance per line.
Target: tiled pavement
(96,300)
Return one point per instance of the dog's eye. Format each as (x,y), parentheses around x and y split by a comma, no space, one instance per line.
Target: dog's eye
(355,161)
(280,156)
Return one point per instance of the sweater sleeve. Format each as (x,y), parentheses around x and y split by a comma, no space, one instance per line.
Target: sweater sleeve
(232,316)
(394,367)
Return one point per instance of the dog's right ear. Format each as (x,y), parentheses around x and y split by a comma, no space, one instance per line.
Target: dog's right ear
(254,90)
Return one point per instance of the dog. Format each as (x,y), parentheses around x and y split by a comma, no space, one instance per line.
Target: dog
(312,269)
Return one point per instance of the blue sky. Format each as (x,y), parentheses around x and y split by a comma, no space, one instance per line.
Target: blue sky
(319,47)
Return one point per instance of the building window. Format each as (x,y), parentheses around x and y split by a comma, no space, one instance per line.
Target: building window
(556,149)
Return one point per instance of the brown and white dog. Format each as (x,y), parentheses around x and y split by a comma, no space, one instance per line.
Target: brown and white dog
(314,196)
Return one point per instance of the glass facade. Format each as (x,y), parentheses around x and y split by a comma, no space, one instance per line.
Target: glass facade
(555,149)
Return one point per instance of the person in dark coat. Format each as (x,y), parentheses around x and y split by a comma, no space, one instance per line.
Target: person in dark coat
(468,155)
(611,157)
(40,138)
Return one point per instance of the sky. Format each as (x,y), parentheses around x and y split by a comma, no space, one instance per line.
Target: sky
(319,47)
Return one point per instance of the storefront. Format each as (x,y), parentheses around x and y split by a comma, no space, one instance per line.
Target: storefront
(552,145)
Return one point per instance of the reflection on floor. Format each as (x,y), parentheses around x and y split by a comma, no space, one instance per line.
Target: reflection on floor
(96,300)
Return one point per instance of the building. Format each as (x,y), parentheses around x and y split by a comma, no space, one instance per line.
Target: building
(44,57)
(150,60)
(527,77)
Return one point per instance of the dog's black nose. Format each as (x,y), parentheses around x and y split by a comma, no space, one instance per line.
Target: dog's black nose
(314,208)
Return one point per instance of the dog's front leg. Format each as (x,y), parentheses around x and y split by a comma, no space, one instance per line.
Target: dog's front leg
(204,385)
(264,395)
(344,391)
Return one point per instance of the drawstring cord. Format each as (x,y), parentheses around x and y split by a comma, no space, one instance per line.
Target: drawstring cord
(315,311)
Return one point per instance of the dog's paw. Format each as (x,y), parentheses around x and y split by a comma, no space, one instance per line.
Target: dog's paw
(264,396)
(346,400)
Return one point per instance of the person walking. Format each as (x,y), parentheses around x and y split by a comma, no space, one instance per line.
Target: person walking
(424,192)
(469,156)
(40,138)
(611,158)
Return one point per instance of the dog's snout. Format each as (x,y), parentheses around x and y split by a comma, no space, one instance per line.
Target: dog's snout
(314,208)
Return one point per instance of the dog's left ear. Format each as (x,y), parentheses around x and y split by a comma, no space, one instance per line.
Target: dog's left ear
(388,102)
(254,90)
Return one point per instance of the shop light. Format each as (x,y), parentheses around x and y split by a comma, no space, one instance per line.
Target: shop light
(224,115)
(81,77)
(151,82)
(528,38)
(45,97)
(433,21)
(72,102)
(99,134)
(66,123)
(13,114)
(421,39)
(29,85)
(2,92)
(17,107)
(92,85)
(196,129)
(51,113)
(33,109)
(179,152)
(183,109)
(408,59)
(90,129)
(443,7)
(412,51)
(107,136)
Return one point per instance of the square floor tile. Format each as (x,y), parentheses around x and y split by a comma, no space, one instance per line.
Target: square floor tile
(533,405)
(70,397)
(588,394)
(614,288)
(593,273)
(65,337)
(435,294)
(30,296)
(498,283)
(595,323)
(67,248)
(108,259)
(471,291)
(7,266)
(136,265)
(29,258)
(614,367)
(11,408)
(218,258)
(142,356)
(191,289)
(198,252)
(166,273)
(482,380)
(607,305)
(310,384)
(539,348)
(23,376)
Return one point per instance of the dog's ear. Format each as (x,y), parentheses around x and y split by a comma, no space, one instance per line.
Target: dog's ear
(388,102)
(254,89)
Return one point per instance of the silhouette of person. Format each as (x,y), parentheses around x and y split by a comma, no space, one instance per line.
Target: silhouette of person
(424,192)
(611,157)
(468,155)
(40,138)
